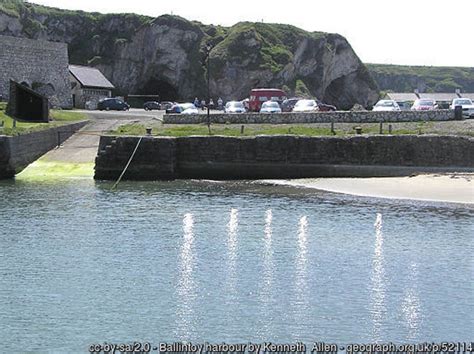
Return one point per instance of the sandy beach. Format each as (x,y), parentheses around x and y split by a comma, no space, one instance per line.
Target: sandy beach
(452,188)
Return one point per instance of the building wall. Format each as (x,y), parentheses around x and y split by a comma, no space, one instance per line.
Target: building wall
(272,157)
(40,64)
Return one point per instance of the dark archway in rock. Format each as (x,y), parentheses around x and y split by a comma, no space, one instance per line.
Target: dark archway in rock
(336,94)
(163,89)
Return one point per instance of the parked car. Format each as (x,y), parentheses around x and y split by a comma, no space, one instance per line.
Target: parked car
(114,104)
(424,104)
(306,106)
(270,107)
(466,104)
(386,105)
(166,105)
(323,107)
(288,104)
(234,107)
(151,105)
(258,96)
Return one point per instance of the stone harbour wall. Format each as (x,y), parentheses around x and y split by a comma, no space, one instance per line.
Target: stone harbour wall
(40,64)
(261,157)
(312,117)
(17,152)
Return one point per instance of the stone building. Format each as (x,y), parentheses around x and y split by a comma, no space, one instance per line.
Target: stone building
(89,86)
(39,65)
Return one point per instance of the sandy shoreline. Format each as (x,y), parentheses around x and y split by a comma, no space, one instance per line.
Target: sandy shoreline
(451,188)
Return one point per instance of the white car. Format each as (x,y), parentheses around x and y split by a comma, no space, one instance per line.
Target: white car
(270,107)
(305,106)
(466,104)
(234,107)
(188,108)
(424,104)
(386,105)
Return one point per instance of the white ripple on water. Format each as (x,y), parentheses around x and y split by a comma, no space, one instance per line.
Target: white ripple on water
(268,275)
(268,251)
(411,306)
(232,229)
(301,304)
(378,291)
(186,291)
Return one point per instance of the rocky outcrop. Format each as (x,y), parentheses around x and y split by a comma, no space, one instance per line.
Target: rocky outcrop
(166,55)
(404,78)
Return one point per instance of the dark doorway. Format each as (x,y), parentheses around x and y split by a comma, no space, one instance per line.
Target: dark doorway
(26,104)
(161,88)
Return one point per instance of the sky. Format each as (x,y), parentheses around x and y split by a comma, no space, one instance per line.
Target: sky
(408,32)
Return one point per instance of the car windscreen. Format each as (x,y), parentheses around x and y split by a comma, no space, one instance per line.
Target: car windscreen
(463,102)
(237,105)
(426,103)
(270,105)
(385,104)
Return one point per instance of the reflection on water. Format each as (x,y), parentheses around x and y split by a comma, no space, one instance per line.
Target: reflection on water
(186,289)
(378,308)
(411,304)
(232,228)
(266,285)
(301,278)
(250,263)
(268,266)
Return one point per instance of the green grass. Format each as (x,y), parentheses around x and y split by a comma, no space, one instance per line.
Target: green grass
(341,129)
(223,130)
(58,118)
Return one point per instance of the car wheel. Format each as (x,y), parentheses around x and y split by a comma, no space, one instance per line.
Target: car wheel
(107,108)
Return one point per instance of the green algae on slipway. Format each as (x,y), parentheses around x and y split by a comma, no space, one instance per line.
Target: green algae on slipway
(44,170)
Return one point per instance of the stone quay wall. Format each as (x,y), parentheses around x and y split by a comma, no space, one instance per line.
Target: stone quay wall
(17,152)
(262,157)
(313,117)
(42,65)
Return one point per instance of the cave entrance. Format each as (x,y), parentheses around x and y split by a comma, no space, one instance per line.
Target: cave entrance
(161,88)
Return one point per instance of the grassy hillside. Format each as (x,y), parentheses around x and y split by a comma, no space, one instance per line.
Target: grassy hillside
(401,78)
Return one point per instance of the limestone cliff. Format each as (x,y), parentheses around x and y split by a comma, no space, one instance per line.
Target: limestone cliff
(166,55)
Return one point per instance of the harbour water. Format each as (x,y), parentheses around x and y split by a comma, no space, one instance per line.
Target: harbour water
(232,262)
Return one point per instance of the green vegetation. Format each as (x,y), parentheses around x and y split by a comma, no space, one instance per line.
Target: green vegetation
(11,7)
(249,130)
(43,169)
(342,129)
(402,78)
(266,45)
(58,118)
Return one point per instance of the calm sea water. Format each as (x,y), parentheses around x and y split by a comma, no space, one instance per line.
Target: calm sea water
(227,262)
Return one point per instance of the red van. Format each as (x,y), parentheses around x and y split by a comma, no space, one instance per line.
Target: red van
(258,96)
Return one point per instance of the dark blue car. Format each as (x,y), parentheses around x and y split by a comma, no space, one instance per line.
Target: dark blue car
(112,104)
